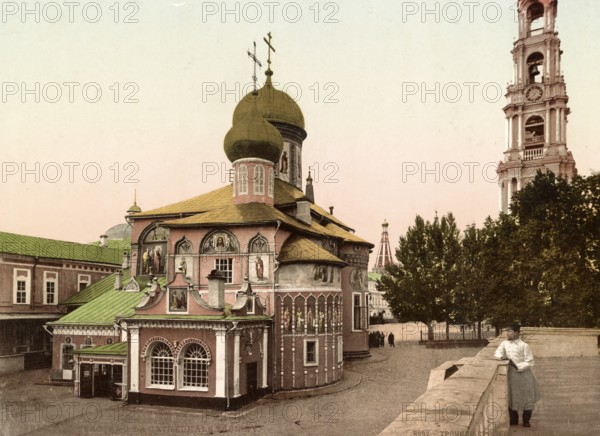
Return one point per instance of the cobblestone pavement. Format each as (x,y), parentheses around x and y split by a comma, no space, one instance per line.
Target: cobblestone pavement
(570,388)
(364,403)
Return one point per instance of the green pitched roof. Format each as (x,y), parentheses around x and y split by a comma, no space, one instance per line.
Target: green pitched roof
(298,249)
(117,244)
(96,289)
(373,276)
(118,348)
(104,309)
(50,248)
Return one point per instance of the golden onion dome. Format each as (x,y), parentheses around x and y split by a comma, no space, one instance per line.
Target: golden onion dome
(273,104)
(253,137)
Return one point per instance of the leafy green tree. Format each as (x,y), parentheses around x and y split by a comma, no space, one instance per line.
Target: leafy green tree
(422,285)
(555,250)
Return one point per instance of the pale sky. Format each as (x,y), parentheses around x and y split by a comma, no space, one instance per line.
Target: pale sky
(382,147)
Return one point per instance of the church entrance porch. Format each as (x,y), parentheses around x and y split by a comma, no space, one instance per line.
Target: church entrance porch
(101,372)
(101,380)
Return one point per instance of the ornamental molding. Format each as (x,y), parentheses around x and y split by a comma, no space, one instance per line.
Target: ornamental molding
(86,330)
(154,339)
(188,341)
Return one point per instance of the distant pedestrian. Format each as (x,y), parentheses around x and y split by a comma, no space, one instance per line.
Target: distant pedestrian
(391,340)
(382,339)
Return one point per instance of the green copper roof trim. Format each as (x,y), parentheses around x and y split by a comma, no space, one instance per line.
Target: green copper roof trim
(24,245)
(104,309)
(374,276)
(180,317)
(115,349)
(97,289)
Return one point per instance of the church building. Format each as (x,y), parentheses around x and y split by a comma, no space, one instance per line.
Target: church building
(379,309)
(248,289)
(537,111)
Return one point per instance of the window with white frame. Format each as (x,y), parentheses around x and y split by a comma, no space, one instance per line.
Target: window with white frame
(226,267)
(161,365)
(67,354)
(195,367)
(340,349)
(271,181)
(243,179)
(259,179)
(50,287)
(367,309)
(311,352)
(356,321)
(21,286)
(83,281)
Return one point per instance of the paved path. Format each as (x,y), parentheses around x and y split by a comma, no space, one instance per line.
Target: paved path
(570,402)
(368,399)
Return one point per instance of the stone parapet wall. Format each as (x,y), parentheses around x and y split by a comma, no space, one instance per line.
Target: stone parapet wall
(12,363)
(561,342)
(473,400)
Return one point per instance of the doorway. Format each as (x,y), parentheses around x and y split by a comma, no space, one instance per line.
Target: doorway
(252,380)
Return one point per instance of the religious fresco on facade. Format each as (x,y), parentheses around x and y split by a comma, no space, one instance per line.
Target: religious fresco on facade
(219,242)
(287,314)
(337,315)
(184,260)
(323,273)
(358,279)
(309,315)
(321,314)
(154,251)
(329,313)
(299,167)
(299,315)
(285,161)
(178,300)
(329,245)
(184,265)
(258,260)
(311,318)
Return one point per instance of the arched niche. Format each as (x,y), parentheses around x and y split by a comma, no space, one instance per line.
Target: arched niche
(153,250)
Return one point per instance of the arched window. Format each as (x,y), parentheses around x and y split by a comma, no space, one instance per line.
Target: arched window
(259,180)
(243,179)
(535,67)
(534,130)
(535,18)
(271,182)
(161,365)
(195,366)
(67,355)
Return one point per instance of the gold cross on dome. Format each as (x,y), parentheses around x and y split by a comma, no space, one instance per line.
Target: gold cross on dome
(256,62)
(270,48)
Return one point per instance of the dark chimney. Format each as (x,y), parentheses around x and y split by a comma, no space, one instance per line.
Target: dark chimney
(216,289)
(310,192)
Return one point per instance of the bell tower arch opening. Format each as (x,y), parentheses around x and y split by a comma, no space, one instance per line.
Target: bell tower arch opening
(536,20)
(536,68)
